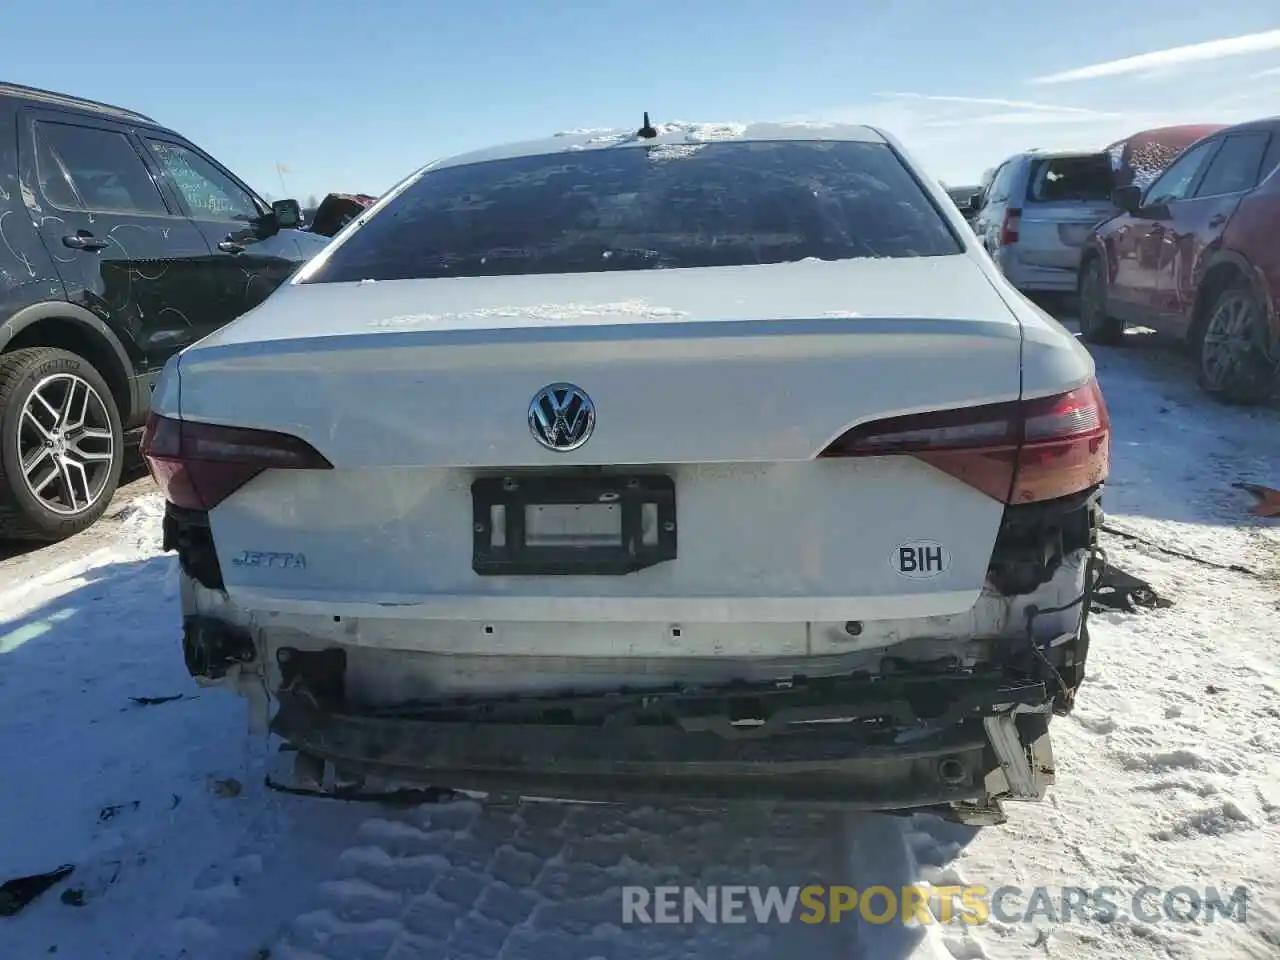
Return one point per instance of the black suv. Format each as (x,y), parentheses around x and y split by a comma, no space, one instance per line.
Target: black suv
(121,242)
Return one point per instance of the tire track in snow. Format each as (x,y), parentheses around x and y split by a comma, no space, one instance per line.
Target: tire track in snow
(1167,775)
(536,880)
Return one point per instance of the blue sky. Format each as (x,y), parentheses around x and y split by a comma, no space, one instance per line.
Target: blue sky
(354,95)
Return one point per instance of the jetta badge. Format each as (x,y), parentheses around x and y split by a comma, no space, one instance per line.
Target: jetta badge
(561,417)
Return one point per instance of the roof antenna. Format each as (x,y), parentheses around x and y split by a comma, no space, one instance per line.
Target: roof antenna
(647,131)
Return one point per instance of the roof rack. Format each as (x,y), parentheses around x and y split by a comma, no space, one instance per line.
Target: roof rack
(65,99)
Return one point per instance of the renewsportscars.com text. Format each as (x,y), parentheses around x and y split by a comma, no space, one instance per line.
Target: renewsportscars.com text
(971,904)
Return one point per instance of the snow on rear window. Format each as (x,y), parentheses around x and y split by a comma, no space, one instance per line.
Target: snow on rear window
(1058,179)
(635,208)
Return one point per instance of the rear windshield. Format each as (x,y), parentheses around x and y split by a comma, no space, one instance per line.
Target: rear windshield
(1058,179)
(644,208)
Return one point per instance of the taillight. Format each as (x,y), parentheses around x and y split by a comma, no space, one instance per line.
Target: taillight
(1009,226)
(1066,445)
(198,465)
(1015,452)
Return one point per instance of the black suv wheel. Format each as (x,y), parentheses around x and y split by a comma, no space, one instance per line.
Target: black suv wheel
(61,444)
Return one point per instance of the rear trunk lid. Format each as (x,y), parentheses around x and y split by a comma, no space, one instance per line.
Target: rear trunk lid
(715,365)
(727,380)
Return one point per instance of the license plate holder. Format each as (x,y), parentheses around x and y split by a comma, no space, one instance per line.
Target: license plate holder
(572,526)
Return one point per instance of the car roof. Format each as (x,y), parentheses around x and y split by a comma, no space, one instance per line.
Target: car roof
(673,135)
(1265,125)
(1261,125)
(52,98)
(1061,154)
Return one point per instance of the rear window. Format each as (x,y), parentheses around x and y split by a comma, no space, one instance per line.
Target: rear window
(1064,179)
(644,208)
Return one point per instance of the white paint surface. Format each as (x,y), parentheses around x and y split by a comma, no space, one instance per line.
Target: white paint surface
(1167,774)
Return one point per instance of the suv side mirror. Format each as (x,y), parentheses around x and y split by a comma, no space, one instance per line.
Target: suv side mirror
(975,202)
(288,214)
(1127,199)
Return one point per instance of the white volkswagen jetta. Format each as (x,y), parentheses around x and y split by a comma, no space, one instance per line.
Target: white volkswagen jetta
(708,462)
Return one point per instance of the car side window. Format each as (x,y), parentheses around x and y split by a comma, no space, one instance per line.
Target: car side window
(1176,182)
(1271,161)
(93,170)
(1236,167)
(209,192)
(999,191)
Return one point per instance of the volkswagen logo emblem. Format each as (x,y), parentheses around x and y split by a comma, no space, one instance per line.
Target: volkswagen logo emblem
(561,417)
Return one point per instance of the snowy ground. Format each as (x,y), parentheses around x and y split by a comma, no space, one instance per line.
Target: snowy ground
(1168,773)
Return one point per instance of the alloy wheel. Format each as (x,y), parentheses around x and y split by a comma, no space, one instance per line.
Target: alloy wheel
(65,444)
(1229,341)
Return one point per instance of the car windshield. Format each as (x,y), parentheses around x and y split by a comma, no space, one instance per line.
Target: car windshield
(648,207)
(1083,178)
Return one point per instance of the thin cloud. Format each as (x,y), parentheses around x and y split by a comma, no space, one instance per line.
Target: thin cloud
(993,102)
(939,130)
(1273,72)
(1174,56)
(1024,118)
(956,136)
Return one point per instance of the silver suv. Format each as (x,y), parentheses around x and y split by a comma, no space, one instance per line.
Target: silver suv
(1038,213)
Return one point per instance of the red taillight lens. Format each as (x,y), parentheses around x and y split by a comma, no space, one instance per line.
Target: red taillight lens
(1009,226)
(1014,452)
(1066,445)
(198,465)
(978,445)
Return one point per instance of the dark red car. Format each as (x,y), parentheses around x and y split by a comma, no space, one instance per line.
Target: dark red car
(1197,254)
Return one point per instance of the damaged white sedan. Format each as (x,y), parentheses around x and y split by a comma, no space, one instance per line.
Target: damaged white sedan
(713,463)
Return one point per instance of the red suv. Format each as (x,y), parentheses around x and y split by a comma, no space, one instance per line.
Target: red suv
(1197,254)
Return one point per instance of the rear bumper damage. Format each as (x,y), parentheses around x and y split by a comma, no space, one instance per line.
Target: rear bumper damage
(944,713)
(862,744)
(959,743)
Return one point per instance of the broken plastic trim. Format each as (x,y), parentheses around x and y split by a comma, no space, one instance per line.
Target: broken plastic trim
(818,764)
(187,531)
(211,647)
(748,711)
(1034,539)
(404,797)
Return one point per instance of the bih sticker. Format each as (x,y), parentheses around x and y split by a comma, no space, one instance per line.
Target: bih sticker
(920,559)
